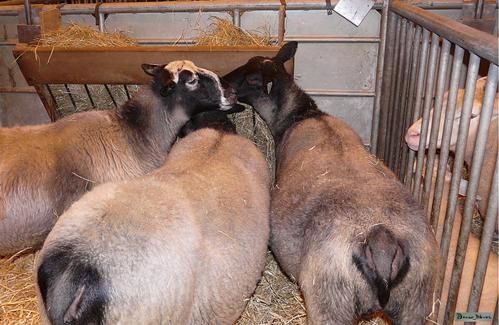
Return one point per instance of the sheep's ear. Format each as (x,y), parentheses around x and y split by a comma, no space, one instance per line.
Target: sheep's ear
(74,312)
(286,52)
(153,69)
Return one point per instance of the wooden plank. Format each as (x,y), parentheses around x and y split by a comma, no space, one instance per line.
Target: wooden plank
(50,19)
(122,65)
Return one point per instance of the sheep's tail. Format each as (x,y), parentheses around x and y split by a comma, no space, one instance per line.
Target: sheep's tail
(72,290)
(383,262)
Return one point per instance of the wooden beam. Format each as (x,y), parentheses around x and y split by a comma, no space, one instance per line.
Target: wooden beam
(45,65)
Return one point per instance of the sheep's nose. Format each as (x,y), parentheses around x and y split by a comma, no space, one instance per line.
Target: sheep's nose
(412,138)
(230,94)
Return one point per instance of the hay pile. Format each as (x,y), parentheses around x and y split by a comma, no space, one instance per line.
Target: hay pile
(222,32)
(18,304)
(79,36)
(277,301)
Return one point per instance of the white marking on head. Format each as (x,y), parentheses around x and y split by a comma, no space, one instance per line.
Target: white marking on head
(176,67)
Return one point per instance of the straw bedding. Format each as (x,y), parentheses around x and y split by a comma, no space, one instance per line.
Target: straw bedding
(276,301)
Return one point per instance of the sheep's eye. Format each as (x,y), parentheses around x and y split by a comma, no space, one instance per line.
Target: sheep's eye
(192,82)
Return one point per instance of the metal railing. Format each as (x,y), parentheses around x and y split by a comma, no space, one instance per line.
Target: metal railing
(425,56)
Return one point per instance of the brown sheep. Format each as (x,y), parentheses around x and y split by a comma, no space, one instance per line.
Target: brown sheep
(184,245)
(341,223)
(413,137)
(43,169)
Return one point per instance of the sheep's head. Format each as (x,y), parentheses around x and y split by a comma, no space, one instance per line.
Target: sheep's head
(250,80)
(196,88)
(413,134)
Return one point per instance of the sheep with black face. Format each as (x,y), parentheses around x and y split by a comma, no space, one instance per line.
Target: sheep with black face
(341,223)
(43,169)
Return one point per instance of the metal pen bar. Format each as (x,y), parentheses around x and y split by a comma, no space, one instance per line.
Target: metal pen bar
(111,95)
(446,135)
(462,136)
(71,98)
(187,6)
(27,12)
(51,94)
(282,24)
(400,149)
(386,85)
(419,93)
(379,78)
(479,9)
(395,108)
(469,203)
(127,93)
(339,93)
(102,22)
(89,95)
(426,115)
(330,39)
(410,104)
(485,245)
(474,40)
(392,92)
(298,38)
(435,122)
(236,17)
(398,95)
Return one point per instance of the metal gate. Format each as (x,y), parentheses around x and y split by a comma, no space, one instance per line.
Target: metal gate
(425,55)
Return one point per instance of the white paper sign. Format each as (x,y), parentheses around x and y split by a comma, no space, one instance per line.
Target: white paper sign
(354,10)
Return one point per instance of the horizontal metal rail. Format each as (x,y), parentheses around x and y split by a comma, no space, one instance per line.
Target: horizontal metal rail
(298,38)
(473,40)
(175,6)
(339,93)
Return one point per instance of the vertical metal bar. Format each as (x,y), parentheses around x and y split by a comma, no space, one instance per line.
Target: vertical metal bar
(426,114)
(397,95)
(462,136)
(127,93)
(89,95)
(111,95)
(48,101)
(102,22)
(379,77)
(386,85)
(401,148)
(27,12)
(282,24)
(485,244)
(419,90)
(70,97)
(392,93)
(435,121)
(479,9)
(476,167)
(410,104)
(446,135)
(236,17)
